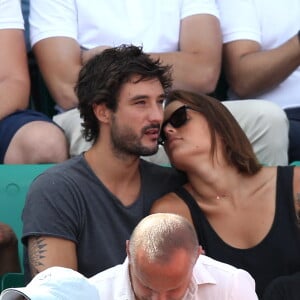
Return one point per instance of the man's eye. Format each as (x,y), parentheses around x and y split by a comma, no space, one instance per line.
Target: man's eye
(140,102)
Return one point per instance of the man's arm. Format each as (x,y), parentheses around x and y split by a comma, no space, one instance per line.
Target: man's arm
(196,66)
(59,61)
(251,71)
(14,77)
(45,252)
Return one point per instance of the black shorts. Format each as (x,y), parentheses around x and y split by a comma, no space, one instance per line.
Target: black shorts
(12,123)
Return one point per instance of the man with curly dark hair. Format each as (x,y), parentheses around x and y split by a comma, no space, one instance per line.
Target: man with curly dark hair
(80,213)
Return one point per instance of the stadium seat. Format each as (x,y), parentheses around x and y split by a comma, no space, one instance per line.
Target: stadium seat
(14,183)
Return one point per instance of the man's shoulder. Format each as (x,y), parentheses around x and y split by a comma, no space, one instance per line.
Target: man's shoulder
(113,283)
(76,162)
(214,277)
(107,275)
(72,169)
(215,264)
(219,270)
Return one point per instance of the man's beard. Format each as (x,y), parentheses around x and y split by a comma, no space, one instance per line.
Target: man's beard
(126,142)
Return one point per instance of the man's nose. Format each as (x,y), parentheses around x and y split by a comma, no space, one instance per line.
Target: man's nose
(156,114)
(159,296)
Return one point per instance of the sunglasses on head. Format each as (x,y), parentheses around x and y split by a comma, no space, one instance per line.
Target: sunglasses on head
(177,119)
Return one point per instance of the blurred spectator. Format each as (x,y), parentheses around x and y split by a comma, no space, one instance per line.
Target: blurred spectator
(262,56)
(26,136)
(284,288)
(55,283)
(9,259)
(183,33)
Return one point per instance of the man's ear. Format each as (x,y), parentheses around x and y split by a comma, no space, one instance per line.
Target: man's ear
(102,113)
(127,249)
(201,250)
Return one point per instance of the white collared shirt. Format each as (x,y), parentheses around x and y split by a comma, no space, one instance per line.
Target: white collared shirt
(212,280)
(269,23)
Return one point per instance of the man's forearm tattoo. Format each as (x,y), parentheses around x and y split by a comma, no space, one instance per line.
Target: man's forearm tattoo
(36,254)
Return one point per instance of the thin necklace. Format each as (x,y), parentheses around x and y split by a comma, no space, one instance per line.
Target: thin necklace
(218,197)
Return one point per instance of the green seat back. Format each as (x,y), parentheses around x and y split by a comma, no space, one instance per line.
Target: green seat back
(12,280)
(14,183)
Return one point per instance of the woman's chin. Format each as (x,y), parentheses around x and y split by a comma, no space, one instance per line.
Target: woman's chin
(178,161)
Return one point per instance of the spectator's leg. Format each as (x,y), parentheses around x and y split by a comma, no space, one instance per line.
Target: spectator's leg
(70,122)
(37,142)
(266,126)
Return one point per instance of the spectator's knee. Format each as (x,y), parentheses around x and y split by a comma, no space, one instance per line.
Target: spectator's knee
(272,117)
(54,147)
(37,142)
(272,134)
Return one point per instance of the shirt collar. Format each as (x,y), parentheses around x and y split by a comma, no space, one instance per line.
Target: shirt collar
(200,276)
(125,291)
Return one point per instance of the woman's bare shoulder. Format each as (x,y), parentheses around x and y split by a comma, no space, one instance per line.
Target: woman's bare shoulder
(171,203)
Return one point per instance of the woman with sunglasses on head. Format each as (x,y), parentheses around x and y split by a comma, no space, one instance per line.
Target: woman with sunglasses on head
(245,214)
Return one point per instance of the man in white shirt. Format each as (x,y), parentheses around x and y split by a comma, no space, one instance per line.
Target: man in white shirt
(26,136)
(165,262)
(262,55)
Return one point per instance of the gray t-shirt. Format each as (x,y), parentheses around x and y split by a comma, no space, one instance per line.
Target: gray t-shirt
(69,201)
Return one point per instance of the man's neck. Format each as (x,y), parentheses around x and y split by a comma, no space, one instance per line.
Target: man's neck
(121,176)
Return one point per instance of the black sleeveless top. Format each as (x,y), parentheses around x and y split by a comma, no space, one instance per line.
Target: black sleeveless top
(277,254)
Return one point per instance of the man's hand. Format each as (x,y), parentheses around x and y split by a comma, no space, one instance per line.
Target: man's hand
(86,55)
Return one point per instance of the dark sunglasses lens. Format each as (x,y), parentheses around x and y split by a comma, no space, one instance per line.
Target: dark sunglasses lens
(177,119)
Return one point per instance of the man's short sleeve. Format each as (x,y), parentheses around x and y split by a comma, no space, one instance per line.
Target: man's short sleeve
(11,15)
(239,20)
(52,208)
(52,18)
(192,7)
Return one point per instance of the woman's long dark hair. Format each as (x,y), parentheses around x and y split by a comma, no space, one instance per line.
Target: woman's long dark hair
(237,149)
